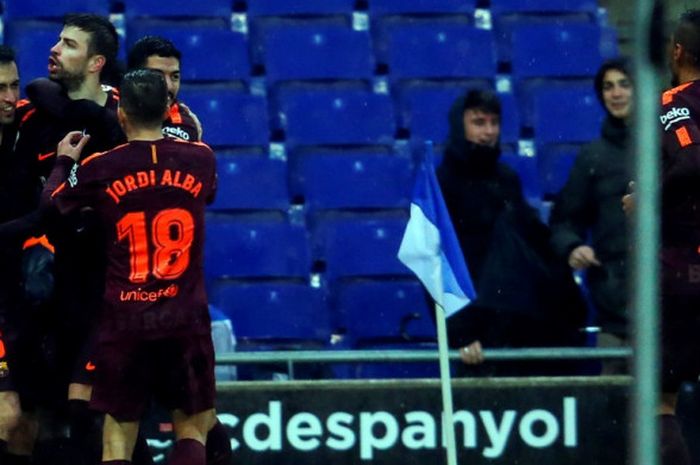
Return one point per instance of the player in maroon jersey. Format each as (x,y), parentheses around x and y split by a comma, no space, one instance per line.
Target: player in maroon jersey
(154,329)
(680,231)
(159,53)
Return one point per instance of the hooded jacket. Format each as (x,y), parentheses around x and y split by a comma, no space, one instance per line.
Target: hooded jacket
(588,210)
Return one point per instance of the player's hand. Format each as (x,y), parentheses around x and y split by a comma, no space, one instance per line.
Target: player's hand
(583,257)
(72,145)
(197,124)
(628,200)
(472,354)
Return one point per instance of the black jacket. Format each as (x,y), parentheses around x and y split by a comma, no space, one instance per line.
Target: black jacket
(589,206)
(507,250)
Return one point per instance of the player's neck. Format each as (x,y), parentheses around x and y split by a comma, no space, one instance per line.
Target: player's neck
(143,134)
(91,89)
(688,75)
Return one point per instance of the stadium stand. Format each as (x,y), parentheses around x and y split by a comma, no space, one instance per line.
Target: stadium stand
(543,6)
(293,7)
(36,9)
(177,9)
(26,37)
(417,7)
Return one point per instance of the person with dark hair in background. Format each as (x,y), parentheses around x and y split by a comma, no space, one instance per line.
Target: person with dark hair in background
(159,345)
(523,298)
(589,204)
(159,53)
(680,232)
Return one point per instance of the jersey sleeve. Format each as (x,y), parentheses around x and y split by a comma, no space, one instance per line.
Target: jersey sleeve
(71,186)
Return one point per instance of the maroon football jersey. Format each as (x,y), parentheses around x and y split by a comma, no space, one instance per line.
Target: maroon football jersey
(180,124)
(680,189)
(150,197)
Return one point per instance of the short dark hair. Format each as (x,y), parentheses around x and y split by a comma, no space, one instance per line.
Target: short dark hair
(621,64)
(149,46)
(144,97)
(484,100)
(687,34)
(7,55)
(103,36)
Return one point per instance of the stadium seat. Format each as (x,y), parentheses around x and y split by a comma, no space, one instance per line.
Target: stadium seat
(554,163)
(37,9)
(406,7)
(552,48)
(295,7)
(543,6)
(510,118)
(281,310)
(255,245)
(563,112)
(230,115)
(249,181)
(32,42)
(306,49)
(353,244)
(397,310)
(343,114)
(178,8)
(396,370)
(362,178)
(197,40)
(435,48)
(526,167)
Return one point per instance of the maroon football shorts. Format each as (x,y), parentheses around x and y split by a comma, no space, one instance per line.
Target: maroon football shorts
(177,372)
(680,341)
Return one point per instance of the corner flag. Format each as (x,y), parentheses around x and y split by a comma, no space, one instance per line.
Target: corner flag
(430,248)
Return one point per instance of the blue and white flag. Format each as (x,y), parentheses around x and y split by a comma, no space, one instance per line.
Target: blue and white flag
(430,247)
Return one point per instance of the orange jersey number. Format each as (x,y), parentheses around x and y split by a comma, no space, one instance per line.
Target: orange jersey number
(172,233)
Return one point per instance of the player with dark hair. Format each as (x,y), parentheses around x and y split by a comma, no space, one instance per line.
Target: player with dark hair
(159,53)
(680,231)
(154,329)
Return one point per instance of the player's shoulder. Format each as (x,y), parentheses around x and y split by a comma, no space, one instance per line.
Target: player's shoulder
(689,91)
(106,156)
(24,110)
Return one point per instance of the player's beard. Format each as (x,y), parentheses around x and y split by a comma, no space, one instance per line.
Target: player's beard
(69,80)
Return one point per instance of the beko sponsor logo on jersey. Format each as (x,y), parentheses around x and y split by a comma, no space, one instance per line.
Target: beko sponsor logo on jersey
(176,132)
(673,116)
(367,433)
(73,176)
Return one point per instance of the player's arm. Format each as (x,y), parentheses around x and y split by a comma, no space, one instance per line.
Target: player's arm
(197,123)
(681,146)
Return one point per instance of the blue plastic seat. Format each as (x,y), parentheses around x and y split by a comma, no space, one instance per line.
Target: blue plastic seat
(404,7)
(295,7)
(343,114)
(554,163)
(553,49)
(543,6)
(383,310)
(35,9)
(230,115)
(359,244)
(255,245)
(435,48)
(198,40)
(282,310)
(510,118)
(178,8)
(308,49)
(249,181)
(32,42)
(363,178)
(563,112)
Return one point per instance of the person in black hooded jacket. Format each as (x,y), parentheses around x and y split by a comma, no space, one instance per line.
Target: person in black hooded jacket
(589,229)
(523,298)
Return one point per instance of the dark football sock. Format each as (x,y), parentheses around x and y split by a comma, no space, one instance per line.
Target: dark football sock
(85,431)
(142,454)
(188,452)
(218,446)
(674,450)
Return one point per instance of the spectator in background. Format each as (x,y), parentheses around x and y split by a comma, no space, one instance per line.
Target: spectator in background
(159,53)
(523,297)
(589,229)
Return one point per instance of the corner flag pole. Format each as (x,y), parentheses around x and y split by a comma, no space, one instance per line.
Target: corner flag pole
(448,426)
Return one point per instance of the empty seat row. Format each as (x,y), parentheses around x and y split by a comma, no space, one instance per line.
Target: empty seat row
(223,8)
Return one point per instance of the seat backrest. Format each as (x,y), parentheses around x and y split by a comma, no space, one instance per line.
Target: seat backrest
(295,7)
(351,179)
(229,114)
(178,8)
(405,7)
(255,245)
(32,41)
(36,9)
